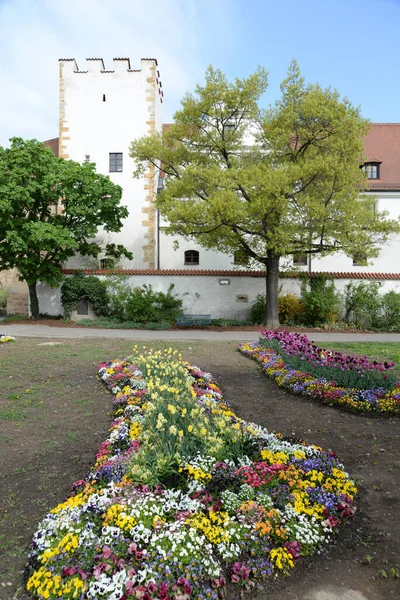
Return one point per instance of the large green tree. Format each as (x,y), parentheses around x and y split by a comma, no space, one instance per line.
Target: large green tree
(269,183)
(51,209)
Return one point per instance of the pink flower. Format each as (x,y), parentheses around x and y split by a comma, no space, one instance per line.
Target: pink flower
(99,569)
(132,548)
(129,587)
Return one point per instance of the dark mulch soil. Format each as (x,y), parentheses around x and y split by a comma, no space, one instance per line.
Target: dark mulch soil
(43,454)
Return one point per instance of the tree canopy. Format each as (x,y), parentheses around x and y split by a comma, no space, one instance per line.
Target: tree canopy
(270,182)
(51,209)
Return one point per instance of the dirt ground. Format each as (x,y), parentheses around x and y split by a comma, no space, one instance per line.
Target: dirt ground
(55,440)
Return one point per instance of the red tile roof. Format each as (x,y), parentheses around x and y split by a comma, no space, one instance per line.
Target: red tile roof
(53,145)
(382,144)
(228,273)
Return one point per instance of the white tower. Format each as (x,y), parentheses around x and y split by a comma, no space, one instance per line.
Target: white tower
(101,112)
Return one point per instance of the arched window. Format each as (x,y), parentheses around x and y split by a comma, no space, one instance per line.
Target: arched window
(191,257)
(107,263)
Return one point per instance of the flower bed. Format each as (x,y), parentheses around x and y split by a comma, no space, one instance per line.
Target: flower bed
(6,338)
(185,496)
(345,370)
(278,352)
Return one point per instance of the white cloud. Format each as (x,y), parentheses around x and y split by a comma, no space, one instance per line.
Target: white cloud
(34,34)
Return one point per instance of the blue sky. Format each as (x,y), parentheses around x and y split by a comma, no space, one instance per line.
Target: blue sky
(352,45)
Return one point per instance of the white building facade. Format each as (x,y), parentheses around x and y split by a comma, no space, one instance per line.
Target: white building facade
(101,111)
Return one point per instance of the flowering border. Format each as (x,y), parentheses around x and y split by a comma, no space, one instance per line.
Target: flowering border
(299,382)
(6,338)
(240,520)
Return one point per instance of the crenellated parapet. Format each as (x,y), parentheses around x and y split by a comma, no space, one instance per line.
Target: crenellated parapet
(69,67)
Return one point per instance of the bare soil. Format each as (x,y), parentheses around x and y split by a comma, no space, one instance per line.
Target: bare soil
(56,414)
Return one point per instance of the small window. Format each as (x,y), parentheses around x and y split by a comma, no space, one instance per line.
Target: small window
(191,257)
(300,260)
(107,263)
(115,162)
(160,185)
(87,157)
(372,170)
(240,258)
(360,259)
(229,127)
(104,97)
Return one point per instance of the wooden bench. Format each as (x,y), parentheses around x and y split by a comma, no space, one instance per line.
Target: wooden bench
(193,320)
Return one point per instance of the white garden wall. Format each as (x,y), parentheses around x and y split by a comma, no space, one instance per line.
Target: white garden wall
(221,296)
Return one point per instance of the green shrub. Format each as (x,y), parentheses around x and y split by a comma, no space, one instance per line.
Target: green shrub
(146,305)
(362,304)
(141,305)
(82,287)
(390,311)
(366,308)
(3,297)
(257,309)
(289,308)
(3,301)
(321,302)
(119,293)
(168,305)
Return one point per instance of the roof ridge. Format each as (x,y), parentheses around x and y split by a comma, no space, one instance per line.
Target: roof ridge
(238,273)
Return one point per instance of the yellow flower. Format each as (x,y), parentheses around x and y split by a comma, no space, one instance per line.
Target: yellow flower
(274,457)
(281,559)
(134,431)
(299,454)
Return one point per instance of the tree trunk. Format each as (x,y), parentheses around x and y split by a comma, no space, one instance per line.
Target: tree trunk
(271,319)
(33,300)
